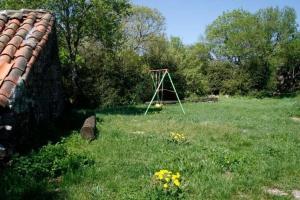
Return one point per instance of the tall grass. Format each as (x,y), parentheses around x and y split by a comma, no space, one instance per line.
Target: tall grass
(236,149)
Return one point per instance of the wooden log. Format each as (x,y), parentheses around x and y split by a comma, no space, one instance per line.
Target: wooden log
(88,128)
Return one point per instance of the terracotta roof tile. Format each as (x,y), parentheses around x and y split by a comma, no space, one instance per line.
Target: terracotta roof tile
(16,15)
(25,52)
(20,63)
(4,39)
(13,21)
(3,101)
(14,75)
(4,70)
(31,42)
(9,32)
(23,34)
(37,35)
(32,60)
(3,17)
(5,59)
(7,88)
(41,28)
(9,50)
(16,41)
(26,27)
(31,15)
(47,17)
(29,21)
(2,46)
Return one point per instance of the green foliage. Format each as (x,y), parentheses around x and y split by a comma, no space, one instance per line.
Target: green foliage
(107,47)
(193,67)
(49,162)
(254,41)
(106,83)
(30,175)
(141,26)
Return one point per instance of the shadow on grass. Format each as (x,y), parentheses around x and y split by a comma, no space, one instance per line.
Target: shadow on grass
(52,132)
(15,184)
(126,110)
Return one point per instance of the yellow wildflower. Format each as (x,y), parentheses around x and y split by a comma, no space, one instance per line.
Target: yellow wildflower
(176,182)
(177,176)
(166,186)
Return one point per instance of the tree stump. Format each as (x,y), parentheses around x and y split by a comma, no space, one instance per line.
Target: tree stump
(88,129)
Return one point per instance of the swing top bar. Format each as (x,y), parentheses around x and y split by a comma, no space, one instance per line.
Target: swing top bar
(158,70)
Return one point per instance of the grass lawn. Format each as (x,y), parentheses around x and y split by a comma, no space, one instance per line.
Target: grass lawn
(237,148)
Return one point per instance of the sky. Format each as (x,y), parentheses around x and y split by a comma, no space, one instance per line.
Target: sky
(188,19)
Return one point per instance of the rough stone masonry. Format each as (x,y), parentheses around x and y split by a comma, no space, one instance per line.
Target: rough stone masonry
(30,74)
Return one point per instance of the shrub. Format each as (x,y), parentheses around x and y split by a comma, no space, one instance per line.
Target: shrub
(50,162)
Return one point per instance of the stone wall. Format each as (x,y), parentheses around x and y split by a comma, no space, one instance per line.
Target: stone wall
(37,100)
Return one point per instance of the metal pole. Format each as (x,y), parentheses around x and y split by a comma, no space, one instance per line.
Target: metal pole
(176,92)
(157,89)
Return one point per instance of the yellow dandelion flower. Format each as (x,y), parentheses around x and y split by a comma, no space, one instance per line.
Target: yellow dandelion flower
(176,182)
(160,176)
(166,186)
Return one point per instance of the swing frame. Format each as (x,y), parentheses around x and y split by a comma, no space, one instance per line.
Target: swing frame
(158,76)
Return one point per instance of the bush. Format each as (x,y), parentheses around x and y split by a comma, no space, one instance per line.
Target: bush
(50,162)
(29,176)
(217,74)
(109,79)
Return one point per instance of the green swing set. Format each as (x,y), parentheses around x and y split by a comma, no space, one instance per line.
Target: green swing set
(158,76)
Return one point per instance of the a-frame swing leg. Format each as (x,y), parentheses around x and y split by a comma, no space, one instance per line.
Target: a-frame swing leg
(176,92)
(157,89)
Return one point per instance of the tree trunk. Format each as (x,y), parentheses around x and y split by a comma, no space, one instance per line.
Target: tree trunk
(88,129)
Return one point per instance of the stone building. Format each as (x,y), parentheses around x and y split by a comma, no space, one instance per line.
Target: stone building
(30,75)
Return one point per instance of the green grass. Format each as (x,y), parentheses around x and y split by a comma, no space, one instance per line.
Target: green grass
(237,148)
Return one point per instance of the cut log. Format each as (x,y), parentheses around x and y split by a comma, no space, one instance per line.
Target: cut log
(88,129)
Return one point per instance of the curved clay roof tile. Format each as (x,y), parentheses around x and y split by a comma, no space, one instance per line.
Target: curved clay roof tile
(3,101)
(26,27)
(16,41)
(3,17)
(4,39)
(25,34)
(47,17)
(4,70)
(22,33)
(2,46)
(25,52)
(29,21)
(5,59)
(20,63)
(16,15)
(9,50)
(31,42)
(7,88)
(14,75)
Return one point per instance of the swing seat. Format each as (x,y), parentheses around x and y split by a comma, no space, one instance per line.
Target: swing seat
(158,105)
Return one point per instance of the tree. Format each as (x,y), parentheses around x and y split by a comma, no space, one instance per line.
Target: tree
(194,69)
(253,41)
(143,25)
(80,20)
(29,4)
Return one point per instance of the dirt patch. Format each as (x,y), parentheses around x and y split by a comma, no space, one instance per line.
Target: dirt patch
(276,192)
(296,119)
(296,194)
